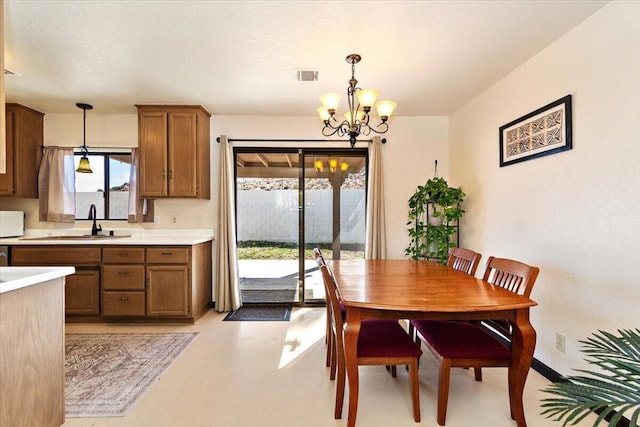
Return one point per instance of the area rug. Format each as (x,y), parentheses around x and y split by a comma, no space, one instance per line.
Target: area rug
(106,373)
(260,313)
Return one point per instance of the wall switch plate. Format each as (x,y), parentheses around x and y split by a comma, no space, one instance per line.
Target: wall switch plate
(561,342)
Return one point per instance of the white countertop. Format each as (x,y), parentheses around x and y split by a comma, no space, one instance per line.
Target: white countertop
(121,237)
(12,278)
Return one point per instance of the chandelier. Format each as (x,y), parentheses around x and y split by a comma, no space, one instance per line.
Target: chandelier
(356,120)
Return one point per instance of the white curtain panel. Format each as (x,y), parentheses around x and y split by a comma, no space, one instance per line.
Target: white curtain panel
(139,209)
(228,289)
(57,185)
(375,246)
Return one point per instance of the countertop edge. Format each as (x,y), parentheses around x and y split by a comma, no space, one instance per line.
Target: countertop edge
(135,239)
(14,278)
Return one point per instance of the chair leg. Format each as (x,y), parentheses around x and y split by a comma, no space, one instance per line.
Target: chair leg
(329,341)
(443,390)
(394,371)
(334,361)
(478,373)
(340,384)
(415,389)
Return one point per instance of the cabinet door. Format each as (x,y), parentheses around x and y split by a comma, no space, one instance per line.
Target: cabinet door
(82,292)
(183,160)
(6,179)
(152,181)
(168,290)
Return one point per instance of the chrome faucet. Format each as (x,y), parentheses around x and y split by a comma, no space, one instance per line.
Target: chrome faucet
(92,215)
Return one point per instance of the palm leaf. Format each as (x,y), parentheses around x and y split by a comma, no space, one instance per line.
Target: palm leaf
(613,390)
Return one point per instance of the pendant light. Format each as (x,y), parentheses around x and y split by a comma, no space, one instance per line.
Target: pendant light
(84,166)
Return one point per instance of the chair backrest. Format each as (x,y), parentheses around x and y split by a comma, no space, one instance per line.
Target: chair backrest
(464,260)
(513,275)
(332,296)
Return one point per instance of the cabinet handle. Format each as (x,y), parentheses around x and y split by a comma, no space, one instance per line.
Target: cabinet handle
(123,253)
(123,273)
(123,299)
(167,253)
(170,174)
(162,173)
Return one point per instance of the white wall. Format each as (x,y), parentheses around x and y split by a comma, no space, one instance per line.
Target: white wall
(575,214)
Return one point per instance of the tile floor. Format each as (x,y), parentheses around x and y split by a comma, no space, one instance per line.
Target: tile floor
(272,374)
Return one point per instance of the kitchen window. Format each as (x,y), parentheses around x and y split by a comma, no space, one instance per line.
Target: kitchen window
(107,187)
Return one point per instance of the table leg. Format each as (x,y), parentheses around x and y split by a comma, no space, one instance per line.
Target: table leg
(351,333)
(523,342)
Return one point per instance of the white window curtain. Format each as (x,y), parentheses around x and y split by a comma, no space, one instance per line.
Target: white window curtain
(57,185)
(375,246)
(140,210)
(228,295)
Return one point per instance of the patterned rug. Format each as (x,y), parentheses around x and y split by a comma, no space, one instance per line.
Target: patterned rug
(106,373)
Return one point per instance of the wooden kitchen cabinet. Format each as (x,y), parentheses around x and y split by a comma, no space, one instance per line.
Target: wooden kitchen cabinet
(82,293)
(123,282)
(25,138)
(82,289)
(174,144)
(134,283)
(168,290)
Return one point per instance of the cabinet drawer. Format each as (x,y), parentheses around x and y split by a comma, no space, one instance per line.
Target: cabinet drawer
(168,255)
(122,277)
(116,304)
(122,255)
(58,255)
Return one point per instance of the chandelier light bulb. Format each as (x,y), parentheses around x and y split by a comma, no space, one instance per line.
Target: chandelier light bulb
(367,97)
(385,108)
(324,113)
(330,101)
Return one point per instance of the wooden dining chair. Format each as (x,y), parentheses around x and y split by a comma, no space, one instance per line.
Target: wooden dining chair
(329,339)
(469,345)
(380,342)
(460,259)
(464,260)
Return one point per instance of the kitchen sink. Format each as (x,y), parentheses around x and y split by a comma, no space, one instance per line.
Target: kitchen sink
(76,237)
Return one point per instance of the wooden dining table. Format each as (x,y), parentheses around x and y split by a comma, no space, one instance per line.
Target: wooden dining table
(411,289)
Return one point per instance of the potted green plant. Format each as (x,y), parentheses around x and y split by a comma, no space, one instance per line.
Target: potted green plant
(613,391)
(434,211)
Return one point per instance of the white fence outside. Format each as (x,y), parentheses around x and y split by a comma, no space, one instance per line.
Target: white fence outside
(273,216)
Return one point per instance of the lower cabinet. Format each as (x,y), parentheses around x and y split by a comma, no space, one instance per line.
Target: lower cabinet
(82,289)
(82,292)
(168,290)
(134,282)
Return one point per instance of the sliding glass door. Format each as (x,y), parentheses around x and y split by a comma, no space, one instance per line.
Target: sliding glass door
(289,201)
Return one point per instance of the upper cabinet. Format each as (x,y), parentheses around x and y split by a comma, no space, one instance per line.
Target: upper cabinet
(25,138)
(174,144)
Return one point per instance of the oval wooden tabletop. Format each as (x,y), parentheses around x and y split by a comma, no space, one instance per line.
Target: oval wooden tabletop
(425,286)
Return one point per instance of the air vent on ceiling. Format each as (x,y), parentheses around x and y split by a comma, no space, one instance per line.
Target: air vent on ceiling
(307,76)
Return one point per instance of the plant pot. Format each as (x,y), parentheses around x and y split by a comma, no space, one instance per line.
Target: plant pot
(436,220)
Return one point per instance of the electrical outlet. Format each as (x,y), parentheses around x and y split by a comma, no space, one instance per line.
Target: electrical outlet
(561,342)
(156,219)
(174,219)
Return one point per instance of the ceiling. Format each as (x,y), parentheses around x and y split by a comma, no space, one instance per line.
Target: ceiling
(241,57)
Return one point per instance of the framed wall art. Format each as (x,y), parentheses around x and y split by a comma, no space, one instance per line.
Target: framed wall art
(539,133)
